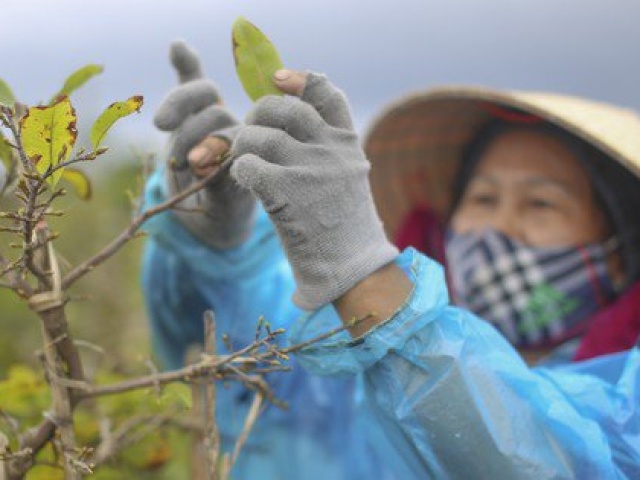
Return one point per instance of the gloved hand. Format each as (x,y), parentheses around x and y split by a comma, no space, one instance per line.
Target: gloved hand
(302,159)
(220,215)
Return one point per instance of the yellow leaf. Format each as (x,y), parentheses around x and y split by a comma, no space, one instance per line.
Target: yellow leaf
(256,59)
(79,181)
(113,112)
(49,134)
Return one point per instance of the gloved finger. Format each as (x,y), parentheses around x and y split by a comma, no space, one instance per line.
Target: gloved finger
(316,90)
(206,157)
(271,144)
(185,61)
(257,175)
(196,128)
(183,101)
(289,114)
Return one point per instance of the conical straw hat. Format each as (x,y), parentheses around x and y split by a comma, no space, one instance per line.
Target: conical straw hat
(416,143)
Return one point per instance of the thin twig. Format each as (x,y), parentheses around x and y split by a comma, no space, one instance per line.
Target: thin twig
(299,346)
(249,422)
(256,382)
(80,157)
(130,232)
(212,437)
(218,366)
(19,285)
(26,163)
(114,442)
(188,373)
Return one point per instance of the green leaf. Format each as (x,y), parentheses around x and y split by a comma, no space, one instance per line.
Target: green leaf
(113,113)
(77,79)
(79,181)
(256,59)
(48,135)
(6,95)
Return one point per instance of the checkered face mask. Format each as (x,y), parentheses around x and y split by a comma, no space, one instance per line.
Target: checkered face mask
(535,296)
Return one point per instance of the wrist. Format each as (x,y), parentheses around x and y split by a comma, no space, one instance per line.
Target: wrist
(374,299)
(338,259)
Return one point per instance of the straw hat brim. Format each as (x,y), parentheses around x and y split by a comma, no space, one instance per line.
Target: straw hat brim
(416,143)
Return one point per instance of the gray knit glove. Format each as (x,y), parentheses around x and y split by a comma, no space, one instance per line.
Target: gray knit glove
(221,215)
(303,160)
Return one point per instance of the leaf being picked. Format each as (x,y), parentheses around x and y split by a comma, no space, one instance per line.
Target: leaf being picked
(79,181)
(256,59)
(113,113)
(48,135)
(77,79)
(6,95)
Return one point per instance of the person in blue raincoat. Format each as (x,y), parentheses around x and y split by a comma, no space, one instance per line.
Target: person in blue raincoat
(532,198)
(220,251)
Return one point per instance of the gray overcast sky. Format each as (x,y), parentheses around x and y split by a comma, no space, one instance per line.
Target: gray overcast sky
(375,50)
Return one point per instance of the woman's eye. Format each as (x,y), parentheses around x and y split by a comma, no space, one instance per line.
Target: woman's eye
(541,203)
(483,199)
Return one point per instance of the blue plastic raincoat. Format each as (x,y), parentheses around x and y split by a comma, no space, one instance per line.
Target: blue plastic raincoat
(434,392)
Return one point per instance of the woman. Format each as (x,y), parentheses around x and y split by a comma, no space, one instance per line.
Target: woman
(587,149)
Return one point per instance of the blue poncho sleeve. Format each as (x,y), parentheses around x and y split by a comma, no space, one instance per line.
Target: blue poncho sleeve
(455,400)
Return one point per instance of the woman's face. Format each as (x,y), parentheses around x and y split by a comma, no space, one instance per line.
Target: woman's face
(531,187)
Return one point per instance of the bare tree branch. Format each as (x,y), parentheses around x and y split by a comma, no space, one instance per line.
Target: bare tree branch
(127,434)
(250,421)
(130,232)
(212,437)
(18,284)
(56,366)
